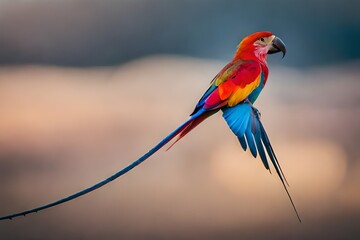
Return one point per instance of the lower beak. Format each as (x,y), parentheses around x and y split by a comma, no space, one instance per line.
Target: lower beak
(277,45)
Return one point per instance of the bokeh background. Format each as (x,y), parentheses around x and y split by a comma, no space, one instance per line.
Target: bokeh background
(88,86)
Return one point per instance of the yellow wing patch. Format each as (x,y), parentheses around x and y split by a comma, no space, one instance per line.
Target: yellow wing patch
(240,94)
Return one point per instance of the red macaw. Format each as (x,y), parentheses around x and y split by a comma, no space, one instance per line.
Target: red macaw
(233,90)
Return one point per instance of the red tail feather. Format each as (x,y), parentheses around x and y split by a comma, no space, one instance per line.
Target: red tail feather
(191,125)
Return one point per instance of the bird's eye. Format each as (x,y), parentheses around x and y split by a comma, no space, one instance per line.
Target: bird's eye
(262,39)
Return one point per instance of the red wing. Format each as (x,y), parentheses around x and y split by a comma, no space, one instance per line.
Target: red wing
(236,87)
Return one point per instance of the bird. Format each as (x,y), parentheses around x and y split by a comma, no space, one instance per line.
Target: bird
(233,91)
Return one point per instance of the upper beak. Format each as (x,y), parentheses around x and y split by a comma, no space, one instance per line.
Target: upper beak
(277,45)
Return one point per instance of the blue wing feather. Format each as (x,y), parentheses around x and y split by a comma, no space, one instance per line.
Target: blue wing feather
(203,98)
(244,121)
(238,124)
(242,141)
(271,153)
(257,135)
(250,140)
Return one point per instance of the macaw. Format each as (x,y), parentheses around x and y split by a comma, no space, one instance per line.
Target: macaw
(233,91)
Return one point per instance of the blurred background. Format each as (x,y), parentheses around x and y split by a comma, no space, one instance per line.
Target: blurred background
(88,86)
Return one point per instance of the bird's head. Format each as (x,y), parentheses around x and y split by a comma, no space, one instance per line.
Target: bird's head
(257,45)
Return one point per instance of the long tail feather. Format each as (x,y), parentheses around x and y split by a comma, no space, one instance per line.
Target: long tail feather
(176,132)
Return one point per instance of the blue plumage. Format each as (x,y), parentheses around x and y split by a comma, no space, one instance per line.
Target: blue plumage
(244,121)
(238,124)
(250,139)
(256,92)
(242,141)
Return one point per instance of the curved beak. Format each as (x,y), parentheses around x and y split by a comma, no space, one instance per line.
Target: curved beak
(277,45)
